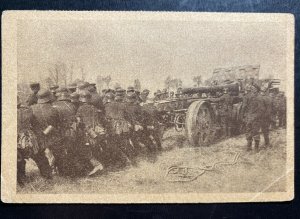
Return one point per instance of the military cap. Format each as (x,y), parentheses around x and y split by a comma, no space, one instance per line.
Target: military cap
(91,88)
(85,96)
(54,87)
(109,97)
(164,90)
(93,84)
(63,96)
(72,86)
(34,84)
(130,88)
(145,91)
(74,97)
(62,90)
(131,97)
(83,85)
(120,90)
(109,91)
(44,96)
(137,92)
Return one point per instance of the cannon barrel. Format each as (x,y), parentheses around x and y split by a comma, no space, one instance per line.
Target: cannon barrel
(210,89)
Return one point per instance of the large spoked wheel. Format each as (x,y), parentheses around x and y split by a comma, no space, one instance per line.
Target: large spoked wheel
(199,124)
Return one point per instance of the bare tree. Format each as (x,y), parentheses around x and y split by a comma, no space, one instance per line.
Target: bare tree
(58,73)
(137,84)
(197,80)
(107,80)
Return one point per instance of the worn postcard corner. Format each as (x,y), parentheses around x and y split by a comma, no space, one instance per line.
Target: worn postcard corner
(147,107)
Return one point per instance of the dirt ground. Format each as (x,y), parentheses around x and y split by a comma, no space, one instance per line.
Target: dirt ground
(253,172)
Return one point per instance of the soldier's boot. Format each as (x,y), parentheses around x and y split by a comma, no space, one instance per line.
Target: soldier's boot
(256,145)
(97,166)
(249,145)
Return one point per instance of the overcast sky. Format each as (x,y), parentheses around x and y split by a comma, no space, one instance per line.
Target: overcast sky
(148,50)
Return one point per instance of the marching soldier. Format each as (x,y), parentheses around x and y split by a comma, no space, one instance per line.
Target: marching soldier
(27,145)
(135,114)
(152,126)
(91,131)
(118,128)
(46,126)
(66,112)
(32,99)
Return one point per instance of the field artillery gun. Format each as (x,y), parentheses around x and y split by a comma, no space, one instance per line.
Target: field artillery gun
(194,112)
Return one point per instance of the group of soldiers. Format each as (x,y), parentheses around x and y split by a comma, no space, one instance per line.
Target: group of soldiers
(85,132)
(260,111)
(75,131)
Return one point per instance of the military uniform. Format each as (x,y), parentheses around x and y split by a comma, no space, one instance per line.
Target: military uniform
(136,119)
(224,109)
(66,111)
(27,145)
(91,131)
(118,127)
(254,109)
(46,126)
(152,126)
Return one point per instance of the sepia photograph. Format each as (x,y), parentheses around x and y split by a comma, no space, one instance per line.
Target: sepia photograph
(147,107)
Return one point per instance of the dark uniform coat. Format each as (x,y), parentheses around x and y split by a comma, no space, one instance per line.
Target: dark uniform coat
(32,99)
(117,118)
(45,115)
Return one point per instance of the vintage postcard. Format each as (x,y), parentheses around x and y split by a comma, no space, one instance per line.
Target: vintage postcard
(147,107)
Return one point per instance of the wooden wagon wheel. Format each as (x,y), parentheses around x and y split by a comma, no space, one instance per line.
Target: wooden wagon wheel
(200,124)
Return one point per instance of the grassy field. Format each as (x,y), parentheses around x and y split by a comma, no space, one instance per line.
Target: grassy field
(253,172)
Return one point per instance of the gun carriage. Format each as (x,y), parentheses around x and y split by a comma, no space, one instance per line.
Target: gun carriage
(194,112)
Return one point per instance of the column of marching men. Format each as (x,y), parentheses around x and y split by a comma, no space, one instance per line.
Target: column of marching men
(74,131)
